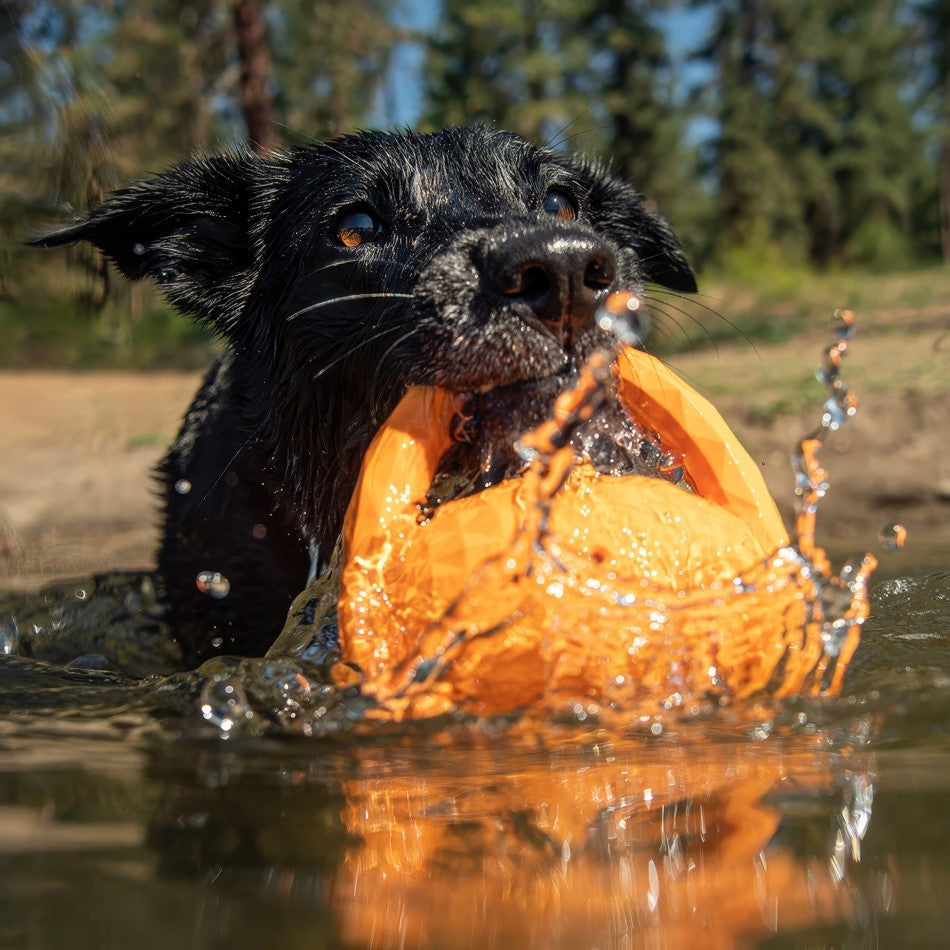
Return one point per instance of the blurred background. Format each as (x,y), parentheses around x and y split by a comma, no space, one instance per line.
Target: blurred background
(801,149)
(785,139)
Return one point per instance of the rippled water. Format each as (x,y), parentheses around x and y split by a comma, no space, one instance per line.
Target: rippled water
(252,803)
(126,819)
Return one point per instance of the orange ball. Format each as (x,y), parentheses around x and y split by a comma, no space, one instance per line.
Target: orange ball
(626,595)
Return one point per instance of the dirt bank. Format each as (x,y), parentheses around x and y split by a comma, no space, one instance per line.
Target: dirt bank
(77,449)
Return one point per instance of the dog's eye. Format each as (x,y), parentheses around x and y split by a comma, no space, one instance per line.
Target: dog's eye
(357,226)
(560,204)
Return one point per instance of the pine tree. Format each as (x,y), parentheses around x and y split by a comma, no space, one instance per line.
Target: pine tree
(594,73)
(817,154)
(329,62)
(935,20)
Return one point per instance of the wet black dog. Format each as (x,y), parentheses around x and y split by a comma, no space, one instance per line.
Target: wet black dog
(338,275)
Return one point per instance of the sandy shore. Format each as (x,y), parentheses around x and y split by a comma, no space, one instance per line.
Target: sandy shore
(77,451)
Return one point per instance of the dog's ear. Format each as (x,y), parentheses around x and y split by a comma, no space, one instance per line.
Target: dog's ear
(188,228)
(625,215)
(661,255)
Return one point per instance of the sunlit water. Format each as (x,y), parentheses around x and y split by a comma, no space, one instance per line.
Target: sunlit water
(252,805)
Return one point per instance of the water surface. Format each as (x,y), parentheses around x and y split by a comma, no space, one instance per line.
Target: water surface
(128,818)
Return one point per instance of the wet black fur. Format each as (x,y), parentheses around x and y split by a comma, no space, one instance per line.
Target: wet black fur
(273,441)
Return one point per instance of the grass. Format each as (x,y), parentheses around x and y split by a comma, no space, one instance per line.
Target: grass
(760,342)
(42,326)
(770,306)
(146,440)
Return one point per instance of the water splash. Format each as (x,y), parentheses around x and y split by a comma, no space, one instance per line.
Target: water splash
(892,536)
(627,642)
(214,584)
(841,604)
(224,704)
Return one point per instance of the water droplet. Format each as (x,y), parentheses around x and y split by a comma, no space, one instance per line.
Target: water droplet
(217,642)
(259,531)
(892,536)
(672,468)
(214,584)
(844,324)
(526,453)
(224,704)
(9,636)
(806,479)
(827,373)
(624,316)
(138,249)
(834,634)
(425,514)
(182,486)
(323,647)
(851,574)
(291,686)
(840,406)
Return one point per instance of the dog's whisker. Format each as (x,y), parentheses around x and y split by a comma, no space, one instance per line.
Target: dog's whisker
(224,470)
(313,140)
(692,295)
(382,359)
(666,308)
(347,298)
(554,141)
(357,333)
(581,132)
(351,350)
(708,309)
(664,311)
(398,266)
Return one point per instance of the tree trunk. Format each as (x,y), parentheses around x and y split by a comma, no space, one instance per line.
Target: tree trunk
(943,173)
(256,101)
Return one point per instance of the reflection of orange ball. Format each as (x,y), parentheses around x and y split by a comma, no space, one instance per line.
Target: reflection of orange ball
(622,589)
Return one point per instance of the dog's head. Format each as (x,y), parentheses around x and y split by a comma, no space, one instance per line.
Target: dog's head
(344,272)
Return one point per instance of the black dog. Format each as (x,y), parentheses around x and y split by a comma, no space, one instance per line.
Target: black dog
(338,275)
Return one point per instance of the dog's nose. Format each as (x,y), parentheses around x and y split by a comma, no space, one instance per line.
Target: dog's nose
(561,278)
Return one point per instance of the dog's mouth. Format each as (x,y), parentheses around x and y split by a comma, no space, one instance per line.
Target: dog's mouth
(522,390)
(434,449)
(494,415)
(490,421)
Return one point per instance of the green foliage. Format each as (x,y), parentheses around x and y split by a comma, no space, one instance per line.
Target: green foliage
(94,94)
(830,149)
(135,331)
(817,151)
(329,62)
(594,75)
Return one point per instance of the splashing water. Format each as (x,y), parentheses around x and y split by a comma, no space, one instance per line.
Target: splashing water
(622,640)
(213,583)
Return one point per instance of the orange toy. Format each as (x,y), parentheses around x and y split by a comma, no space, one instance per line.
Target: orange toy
(628,591)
